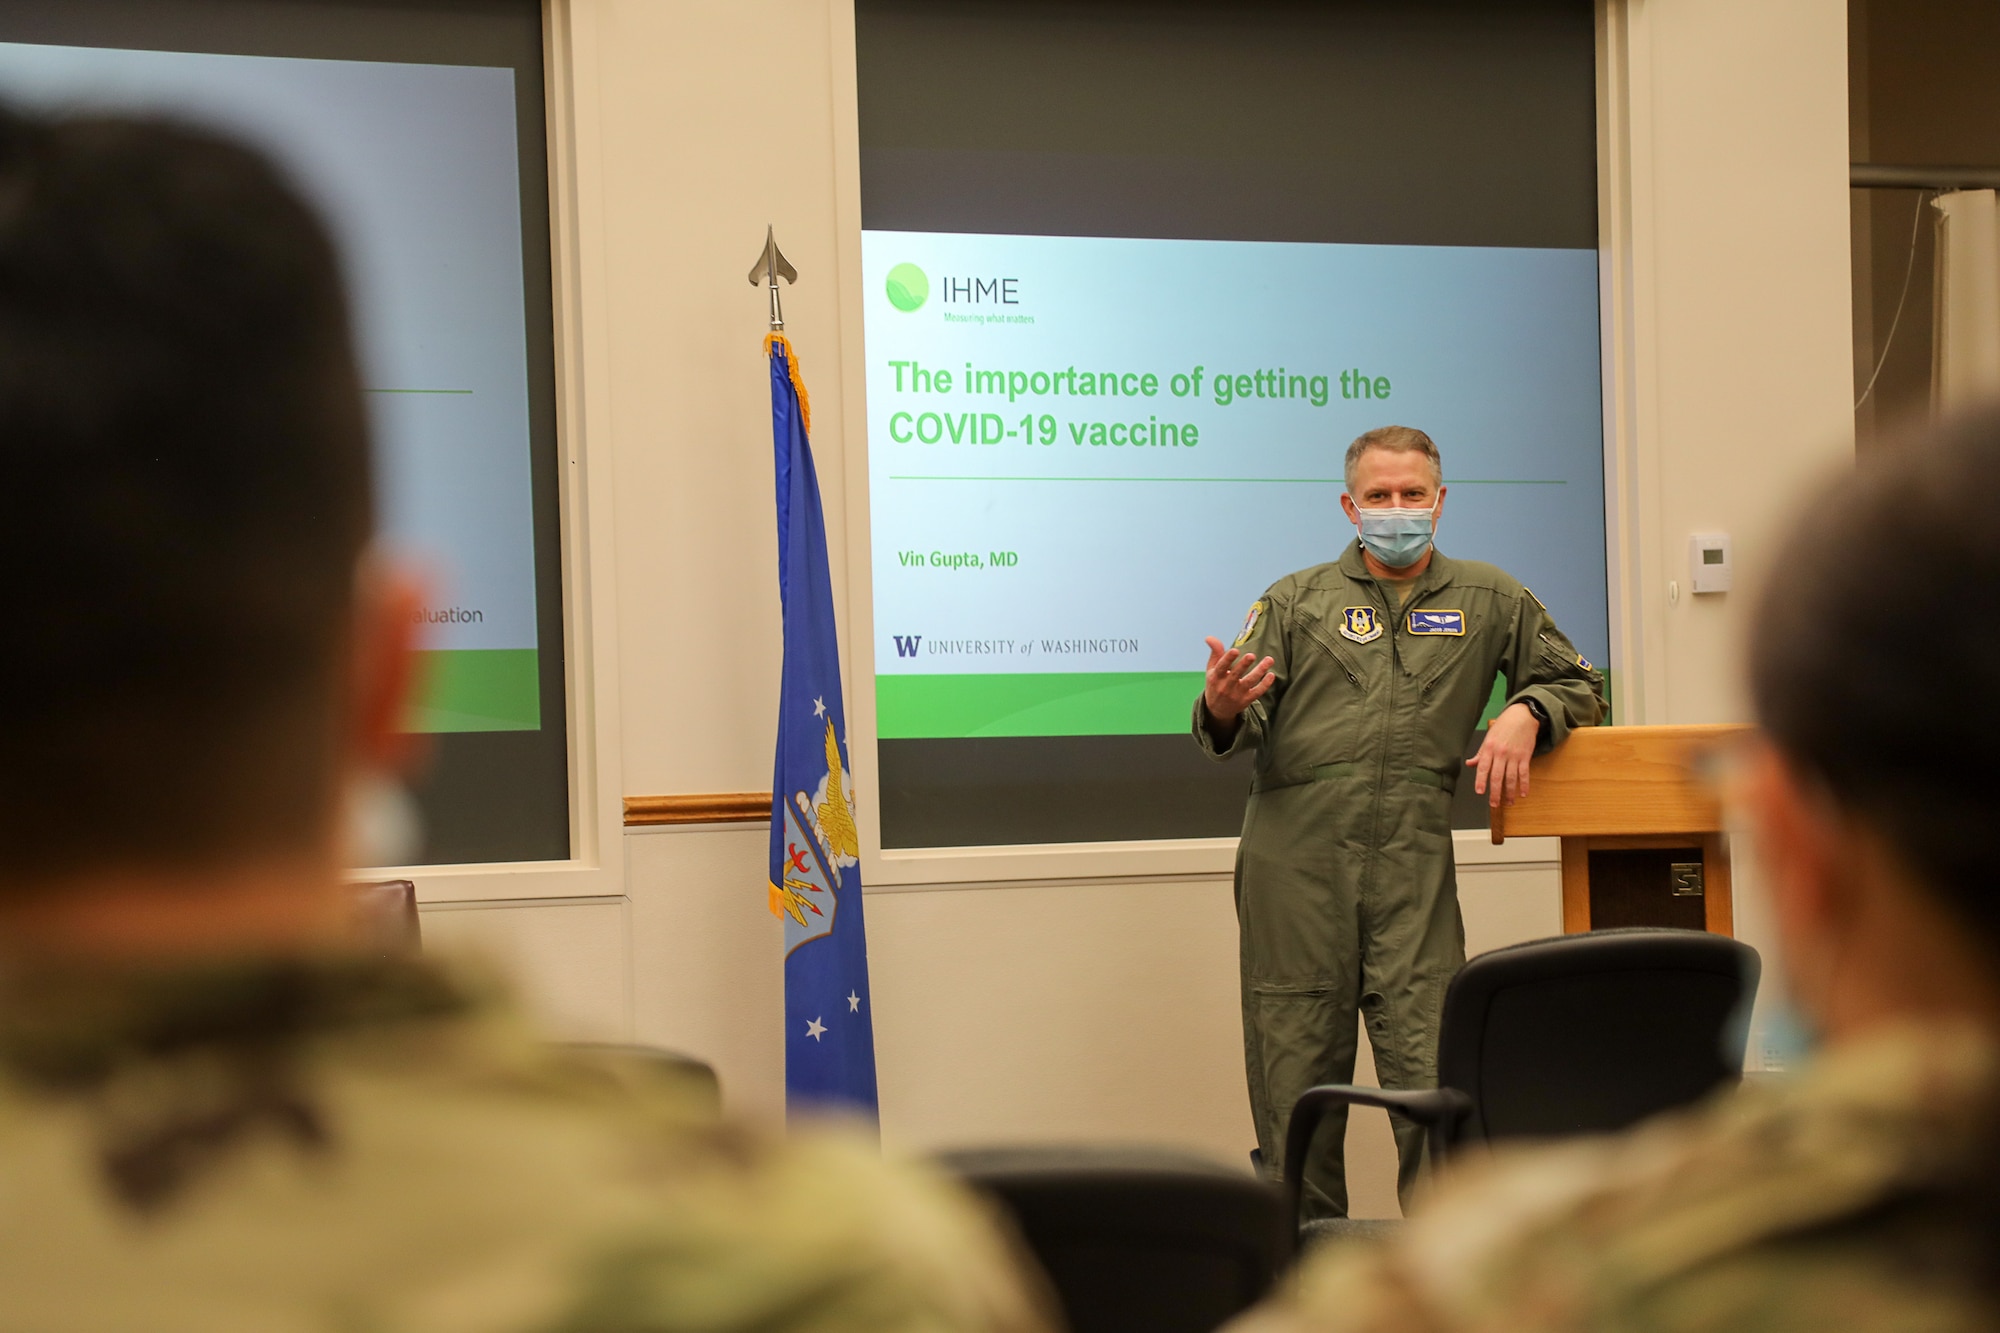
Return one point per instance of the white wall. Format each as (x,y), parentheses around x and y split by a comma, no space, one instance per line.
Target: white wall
(1733,212)
(1735,226)
(569,956)
(1096,1009)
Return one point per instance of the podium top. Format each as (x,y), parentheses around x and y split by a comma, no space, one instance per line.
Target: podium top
(1619,780)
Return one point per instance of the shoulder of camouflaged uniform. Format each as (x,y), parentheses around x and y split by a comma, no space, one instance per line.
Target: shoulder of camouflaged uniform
(382,1147)
(1832,1201)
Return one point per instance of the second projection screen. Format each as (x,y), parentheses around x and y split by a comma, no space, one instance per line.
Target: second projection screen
(1119,336)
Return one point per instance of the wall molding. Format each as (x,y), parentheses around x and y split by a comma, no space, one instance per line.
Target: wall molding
(725,807)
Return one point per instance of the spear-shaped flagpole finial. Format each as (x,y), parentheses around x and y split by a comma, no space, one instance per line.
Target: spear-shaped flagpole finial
(772,265)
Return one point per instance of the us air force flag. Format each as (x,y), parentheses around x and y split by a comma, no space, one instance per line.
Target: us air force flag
(815,849)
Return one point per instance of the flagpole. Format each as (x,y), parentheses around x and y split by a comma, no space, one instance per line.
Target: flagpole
(771,263)
(815,855)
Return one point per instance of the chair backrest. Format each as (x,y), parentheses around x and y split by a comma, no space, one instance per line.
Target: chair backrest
(387,914)
(1137,1240)
(1594,1032)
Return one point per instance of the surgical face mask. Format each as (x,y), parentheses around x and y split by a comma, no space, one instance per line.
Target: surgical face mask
(384,826)
(1398,537)
(1776,1033)
(1773,1030)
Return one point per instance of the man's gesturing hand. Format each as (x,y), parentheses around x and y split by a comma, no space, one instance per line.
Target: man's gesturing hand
(1235,681)
(1502,761)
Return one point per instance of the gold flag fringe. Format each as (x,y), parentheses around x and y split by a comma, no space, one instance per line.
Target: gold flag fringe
(773,340)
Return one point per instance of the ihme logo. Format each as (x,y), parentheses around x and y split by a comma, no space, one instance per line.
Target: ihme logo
(909,287)
(906,644)
(982,291)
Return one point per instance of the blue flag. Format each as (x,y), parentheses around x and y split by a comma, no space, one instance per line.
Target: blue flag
(815,846)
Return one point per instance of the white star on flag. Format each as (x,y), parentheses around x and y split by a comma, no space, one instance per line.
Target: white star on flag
(814,1029)
(853,1003)
(819,708)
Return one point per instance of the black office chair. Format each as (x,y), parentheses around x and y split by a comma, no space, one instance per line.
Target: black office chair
(1580,1034)
(1138,1240)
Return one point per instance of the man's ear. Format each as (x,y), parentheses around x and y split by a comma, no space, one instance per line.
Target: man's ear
(1799,844)
(387,612)
(1347,507)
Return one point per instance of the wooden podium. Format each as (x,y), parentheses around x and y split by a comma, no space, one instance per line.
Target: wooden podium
(1642,837)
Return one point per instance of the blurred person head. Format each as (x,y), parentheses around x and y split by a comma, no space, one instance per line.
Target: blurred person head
(199,661)
(1875,671)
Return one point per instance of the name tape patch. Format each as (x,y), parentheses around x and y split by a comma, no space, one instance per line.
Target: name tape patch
(1437,622)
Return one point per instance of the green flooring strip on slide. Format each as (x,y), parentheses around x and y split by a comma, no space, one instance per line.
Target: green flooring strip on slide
(1083,703)
(477,689)
(1079,703)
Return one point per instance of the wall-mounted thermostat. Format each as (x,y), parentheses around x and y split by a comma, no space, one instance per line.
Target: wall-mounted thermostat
(1708,561)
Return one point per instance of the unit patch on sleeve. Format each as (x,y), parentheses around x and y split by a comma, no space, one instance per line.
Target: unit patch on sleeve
(1361,624)
(1250,623)
(1437,622)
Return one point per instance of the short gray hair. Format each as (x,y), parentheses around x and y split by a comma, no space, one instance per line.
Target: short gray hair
(1397,440)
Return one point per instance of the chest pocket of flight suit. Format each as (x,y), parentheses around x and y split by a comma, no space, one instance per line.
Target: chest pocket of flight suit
(1317,631)
(1335,698)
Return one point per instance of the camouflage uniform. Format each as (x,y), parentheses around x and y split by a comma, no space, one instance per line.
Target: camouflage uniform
(1858,1197)
(379,1147)
(1345,893)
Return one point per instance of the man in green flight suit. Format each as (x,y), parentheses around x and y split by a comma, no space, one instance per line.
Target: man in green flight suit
(1359,683)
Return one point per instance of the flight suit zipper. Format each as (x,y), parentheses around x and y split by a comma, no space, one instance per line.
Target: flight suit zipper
(1389,730)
